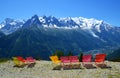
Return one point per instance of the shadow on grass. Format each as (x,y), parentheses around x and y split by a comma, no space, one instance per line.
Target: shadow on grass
(19,66)
(89,66)
(31,65)
(28,65)
(104,66)
(3,60)
(59,67)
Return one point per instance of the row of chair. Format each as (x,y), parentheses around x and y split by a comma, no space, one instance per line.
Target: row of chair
(73,61)
(99,60)
(20,61)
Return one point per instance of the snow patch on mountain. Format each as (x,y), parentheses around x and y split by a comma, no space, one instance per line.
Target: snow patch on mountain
(93,34)
(2,25)
(13,23)
(85,23)
(42,19)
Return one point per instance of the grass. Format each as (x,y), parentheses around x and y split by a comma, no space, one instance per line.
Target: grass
(116,60)
(2,60)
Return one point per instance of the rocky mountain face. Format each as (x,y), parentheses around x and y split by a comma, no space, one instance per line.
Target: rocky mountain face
(42,36)
(9,26)
(1,34)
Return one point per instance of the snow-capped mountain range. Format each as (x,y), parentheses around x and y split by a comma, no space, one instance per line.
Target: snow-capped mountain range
(10,25)
(68,22)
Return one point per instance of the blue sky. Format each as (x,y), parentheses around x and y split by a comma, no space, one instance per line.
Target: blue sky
(107,10)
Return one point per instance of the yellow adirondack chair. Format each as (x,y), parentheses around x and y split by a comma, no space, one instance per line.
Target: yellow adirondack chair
(17,62)
(55,59)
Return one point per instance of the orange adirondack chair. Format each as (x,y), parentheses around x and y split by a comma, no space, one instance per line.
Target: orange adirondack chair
(55,59)
(100,60)
(17,62)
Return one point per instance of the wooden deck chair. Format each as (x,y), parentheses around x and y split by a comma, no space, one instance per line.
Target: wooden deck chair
(30,60)
(55,59)
(74,60)
(100,60)
(17,62)
(65,62)
(87,61)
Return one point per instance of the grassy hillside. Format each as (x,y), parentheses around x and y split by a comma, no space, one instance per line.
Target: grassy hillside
(42,42)
(115,56)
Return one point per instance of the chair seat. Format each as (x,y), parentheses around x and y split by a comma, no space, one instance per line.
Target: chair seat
(66,61)
(74,60)
(57,61)
(30,60)
(86,61)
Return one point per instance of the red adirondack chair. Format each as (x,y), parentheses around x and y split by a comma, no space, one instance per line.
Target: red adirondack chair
(100,60)
(87,58)
(87,61)
(30,60)
(74,60)
(65,62)
(21,59)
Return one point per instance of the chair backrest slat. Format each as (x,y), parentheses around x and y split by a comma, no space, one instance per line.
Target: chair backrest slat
(100,57)
(30,59)
(21,59)
(87,58)
(73,57)
(62,58)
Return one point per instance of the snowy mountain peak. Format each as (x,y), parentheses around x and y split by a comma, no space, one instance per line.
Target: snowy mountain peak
(87,23)
(10,25)
(8,20)
(11,22)
(34,17)
(33,21)
(49,21)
